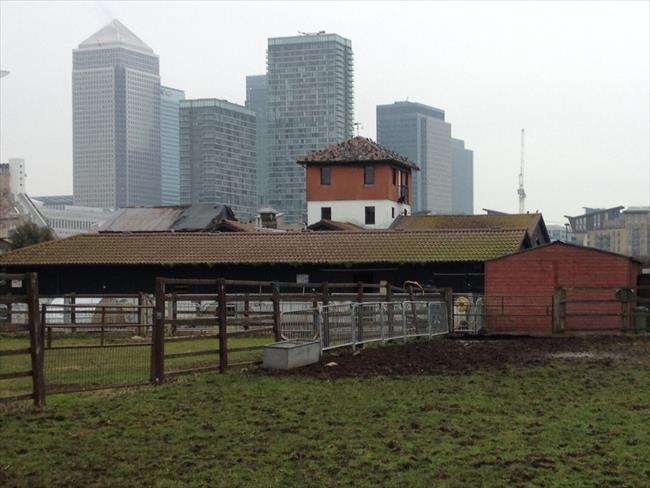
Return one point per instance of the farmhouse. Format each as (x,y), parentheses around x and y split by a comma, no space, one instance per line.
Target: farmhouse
(586,282)
(130,262)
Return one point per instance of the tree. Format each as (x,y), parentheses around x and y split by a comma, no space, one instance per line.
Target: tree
(28,234)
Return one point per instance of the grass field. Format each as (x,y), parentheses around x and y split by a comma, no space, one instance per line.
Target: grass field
(568,422)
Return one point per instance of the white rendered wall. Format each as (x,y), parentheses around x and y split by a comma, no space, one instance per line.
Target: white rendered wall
(354,211)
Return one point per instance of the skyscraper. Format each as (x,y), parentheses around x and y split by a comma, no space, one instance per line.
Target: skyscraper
(170,99)
(116,120)
(421,133)
(462,178)
(256,99)
(218,155)
(310,106)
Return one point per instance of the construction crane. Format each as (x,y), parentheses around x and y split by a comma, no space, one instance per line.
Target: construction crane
(520,191)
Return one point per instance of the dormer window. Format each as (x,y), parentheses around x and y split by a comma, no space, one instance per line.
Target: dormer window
(368,175)
(325,176)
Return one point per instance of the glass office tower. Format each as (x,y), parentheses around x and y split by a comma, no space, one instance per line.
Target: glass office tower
(116,120)
(218,159)
(170,106)
(256,100)
(421,133)
(310,106)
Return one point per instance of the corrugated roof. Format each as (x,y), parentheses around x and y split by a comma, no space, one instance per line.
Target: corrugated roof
(529,222)
(266,248)
(357,149)
(182,218)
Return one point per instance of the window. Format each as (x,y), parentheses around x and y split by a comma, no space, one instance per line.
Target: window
(370,215)
(326,213)
(394,177)
(392,212)
(325,176)
(406,212)
(369,176)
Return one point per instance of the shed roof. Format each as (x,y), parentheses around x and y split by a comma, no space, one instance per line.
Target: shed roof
(565,244)
(355,150)
(181,218)
(327,224)
(529,221)
(272,248)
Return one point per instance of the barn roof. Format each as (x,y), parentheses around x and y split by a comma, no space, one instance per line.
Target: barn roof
(565,244)
(355,150)
(344,247)
(528,221)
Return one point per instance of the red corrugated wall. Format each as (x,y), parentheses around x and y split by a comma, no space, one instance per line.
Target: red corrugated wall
(529,278)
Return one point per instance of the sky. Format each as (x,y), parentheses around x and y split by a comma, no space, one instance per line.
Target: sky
(574,75)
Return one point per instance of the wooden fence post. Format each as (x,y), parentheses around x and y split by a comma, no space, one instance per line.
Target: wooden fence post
(140,314)
(277,317)
(413,309)
(559,310)
(36,339)
(247,310)
(158,335)
(103,323)
(391,312)
(314,304)
(73,310)
(325,298)
(43,322)
(359,337)
(174,313)
(223,326)
(449,300)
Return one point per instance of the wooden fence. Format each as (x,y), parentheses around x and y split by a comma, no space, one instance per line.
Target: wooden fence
(27,286)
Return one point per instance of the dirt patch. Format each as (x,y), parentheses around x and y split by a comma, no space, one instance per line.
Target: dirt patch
(444,356)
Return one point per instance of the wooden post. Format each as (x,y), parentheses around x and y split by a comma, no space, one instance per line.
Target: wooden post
(559,310)
(360,315)
(314,304)
(449,300)
(391,312)
(277,318)
(247,309)
(326,300)
(49,337)
(43,314)
(158,335)
(9,315)
(38,377)
(223,326)
(174,313)
(140,314)
(103,322)
(73,310)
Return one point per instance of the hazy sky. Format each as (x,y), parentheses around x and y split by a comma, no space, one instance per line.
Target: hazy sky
(576,76)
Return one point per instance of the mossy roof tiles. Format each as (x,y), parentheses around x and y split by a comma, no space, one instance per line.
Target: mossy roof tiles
(343,247)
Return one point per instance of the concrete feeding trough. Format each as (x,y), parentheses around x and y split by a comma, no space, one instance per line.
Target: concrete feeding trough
(290,354)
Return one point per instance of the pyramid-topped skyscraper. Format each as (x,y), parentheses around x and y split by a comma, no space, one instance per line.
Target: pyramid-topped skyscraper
(116,120)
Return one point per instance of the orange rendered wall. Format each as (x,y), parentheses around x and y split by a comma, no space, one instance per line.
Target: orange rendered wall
(347,184)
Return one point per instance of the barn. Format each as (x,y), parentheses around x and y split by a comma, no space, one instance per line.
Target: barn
(559,287)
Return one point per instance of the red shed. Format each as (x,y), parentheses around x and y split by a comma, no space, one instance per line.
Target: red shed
(519,290)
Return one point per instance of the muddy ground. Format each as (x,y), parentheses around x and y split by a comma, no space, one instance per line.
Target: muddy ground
(464,355)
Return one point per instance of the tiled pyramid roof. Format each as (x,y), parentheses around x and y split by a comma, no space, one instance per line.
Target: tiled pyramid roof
(357,149)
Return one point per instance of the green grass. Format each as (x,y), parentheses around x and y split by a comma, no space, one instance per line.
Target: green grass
(568,424)
(91,368)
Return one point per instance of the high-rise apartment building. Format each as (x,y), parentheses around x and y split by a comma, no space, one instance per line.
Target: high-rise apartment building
(462,178)
(170,100)
(310,106)
(18,175)
(256,100)
(421,133)
(116,120)
(218,155)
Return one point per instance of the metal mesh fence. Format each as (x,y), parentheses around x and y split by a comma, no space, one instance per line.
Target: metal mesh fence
(350,324)
(78,367)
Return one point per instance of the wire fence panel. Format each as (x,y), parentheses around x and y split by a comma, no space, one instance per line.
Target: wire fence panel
(370,322)
(337,326)
(300,324)
(417,318)
(438,319)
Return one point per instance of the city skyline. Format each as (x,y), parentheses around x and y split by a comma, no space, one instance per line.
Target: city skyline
(563,88)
